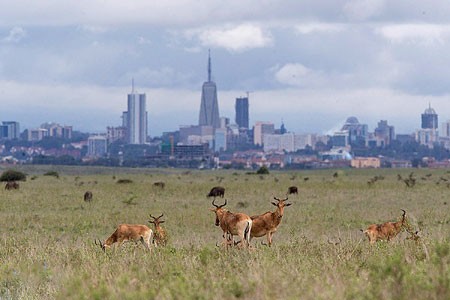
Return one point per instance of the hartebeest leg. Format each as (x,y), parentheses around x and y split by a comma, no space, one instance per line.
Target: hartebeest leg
(269,238)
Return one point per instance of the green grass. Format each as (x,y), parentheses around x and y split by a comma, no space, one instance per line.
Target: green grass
(47,235)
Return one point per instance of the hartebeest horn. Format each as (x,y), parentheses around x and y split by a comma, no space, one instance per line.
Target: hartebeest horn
(219,206)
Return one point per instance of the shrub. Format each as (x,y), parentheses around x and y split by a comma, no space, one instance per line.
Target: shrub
(122,181)
(12,175)
(52,173)
(263,170)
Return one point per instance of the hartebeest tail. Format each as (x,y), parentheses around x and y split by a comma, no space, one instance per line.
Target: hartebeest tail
(127,232)
(267,223)
(386,231)
(232,224)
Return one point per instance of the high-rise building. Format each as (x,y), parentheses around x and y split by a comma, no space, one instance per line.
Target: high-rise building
(9,130)
(209,107)
(260,129)
(384,134)
(241,108)
(428,135)
(429,119)
(136,118)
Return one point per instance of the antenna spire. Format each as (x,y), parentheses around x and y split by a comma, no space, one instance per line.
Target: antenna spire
(209,65)
(132,85)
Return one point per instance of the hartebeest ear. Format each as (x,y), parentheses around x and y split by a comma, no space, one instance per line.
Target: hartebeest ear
(276,204)
(288,204)
(161,222)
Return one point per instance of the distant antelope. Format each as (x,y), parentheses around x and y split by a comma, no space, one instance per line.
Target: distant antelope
(386,231)
(267,223)
(160,236)
(87,196)
(127,232)
(232,224)
(159,184)
(11,185)
(216,191)
(292,190)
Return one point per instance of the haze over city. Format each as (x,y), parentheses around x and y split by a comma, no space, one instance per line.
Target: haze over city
(311,64)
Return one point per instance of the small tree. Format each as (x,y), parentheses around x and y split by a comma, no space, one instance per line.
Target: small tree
(12,175)
(262,170)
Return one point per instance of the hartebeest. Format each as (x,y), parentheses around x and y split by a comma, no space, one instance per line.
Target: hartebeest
(127,232)
(292,190)
(232,224)
(87,196)
(160,236)
(11,185)
(386,231)
(267,223)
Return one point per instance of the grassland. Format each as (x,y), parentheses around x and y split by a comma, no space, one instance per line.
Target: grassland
(47,234)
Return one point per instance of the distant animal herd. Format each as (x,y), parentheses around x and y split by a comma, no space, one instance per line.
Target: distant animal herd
(239,224)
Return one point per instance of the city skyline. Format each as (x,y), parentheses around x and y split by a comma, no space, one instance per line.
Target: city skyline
(311,64)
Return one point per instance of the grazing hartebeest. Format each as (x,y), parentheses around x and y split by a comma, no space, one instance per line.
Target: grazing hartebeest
(386,231)
(216,191)
(160,236)
(267,223)
(233,223)
(88,196)
(292,190)
(11,185)
(127,232)
(159,184)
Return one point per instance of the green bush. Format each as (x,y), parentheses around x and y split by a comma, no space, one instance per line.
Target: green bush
(122,181)
(52,173)
(263,170)
(12,175)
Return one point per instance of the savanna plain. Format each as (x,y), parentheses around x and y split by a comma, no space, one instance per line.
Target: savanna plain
(47,248)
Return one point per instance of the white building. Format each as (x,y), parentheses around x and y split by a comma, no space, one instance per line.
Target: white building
(261,129)
(97,146)
(136,118)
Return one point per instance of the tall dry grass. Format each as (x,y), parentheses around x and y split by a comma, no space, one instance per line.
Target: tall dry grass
(47,234)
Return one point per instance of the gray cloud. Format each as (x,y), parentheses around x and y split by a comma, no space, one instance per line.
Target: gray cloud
(373,59)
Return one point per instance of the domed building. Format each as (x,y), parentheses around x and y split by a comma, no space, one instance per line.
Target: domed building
(429,134)
(357,132)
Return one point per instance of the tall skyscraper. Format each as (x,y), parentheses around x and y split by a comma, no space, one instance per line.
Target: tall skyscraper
(241,108)
(136,118)
(429,119)
(209,107)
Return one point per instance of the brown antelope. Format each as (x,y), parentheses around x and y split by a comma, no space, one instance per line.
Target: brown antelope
(11,185)
(386,231)
(267,223)
(160,236)
(87,196)
(216,191)
(232,224)
(127,232)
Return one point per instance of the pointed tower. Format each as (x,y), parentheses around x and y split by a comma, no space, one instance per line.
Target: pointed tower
(209,107)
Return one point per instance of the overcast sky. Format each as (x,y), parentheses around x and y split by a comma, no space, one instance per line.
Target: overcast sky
(308,63)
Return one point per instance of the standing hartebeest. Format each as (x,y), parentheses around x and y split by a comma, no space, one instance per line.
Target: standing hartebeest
(11,185)
(238,224)
(87,196)
(292,190)
(388,230)
(267,223)
(159,184)
(160,236)
(127,232)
